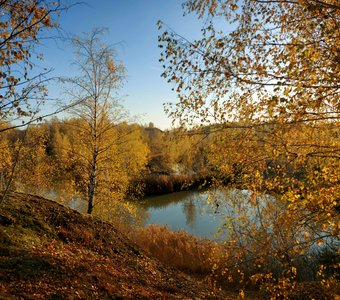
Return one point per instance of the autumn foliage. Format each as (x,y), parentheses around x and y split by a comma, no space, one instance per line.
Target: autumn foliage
(269,85)
(258,108)
(22,89)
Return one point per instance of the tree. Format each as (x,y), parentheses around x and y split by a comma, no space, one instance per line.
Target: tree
(280,61)
(99,112)
(270,84)
(6,161)
(22,91)
(34,169)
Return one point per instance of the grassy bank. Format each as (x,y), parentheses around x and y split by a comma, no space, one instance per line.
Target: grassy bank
(223,267)
(48,251)
(177,249)
(156,184)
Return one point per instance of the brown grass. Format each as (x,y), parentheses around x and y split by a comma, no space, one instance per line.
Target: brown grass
(176,248)
(190,254)
(162,184)
(48,251)
(219,265)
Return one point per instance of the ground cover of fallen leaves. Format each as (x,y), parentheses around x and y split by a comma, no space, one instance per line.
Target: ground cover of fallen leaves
(48,251)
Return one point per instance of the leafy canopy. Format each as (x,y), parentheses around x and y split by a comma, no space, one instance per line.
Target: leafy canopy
(257,60)
(266,75)
(21,25)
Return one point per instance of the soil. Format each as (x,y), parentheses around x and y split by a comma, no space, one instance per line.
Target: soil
(48,251)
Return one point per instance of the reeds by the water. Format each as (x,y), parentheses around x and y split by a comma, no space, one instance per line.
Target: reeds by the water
(155,184)
(176,248)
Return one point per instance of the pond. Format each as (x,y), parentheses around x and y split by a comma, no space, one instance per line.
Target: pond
(204,213)
(196,212)
(200,213)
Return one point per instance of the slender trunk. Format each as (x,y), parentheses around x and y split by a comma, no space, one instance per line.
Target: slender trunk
(92,184)
(93,174)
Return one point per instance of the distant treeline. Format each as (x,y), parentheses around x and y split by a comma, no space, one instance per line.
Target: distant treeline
(145,160)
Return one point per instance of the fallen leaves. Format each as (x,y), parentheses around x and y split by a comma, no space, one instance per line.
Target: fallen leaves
(77,267)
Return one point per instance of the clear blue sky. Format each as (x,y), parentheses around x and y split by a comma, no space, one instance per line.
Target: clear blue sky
(132,22)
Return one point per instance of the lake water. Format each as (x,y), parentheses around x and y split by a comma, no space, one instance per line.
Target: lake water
(199,213)
(204,213)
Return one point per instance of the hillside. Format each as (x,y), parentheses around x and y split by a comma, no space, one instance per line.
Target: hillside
(48,251)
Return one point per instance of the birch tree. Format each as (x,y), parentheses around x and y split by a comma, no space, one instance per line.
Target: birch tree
(99,110)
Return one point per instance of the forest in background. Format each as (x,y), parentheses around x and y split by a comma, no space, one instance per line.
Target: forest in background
(258,110)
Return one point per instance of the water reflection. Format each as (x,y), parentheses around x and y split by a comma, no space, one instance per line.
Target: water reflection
(66,198)
(204,213)
(200,213)
(187,210)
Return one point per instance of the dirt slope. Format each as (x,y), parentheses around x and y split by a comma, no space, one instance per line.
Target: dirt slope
(48,251)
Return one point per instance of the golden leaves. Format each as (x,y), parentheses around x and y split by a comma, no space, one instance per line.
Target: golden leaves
(275,44)
(21,24)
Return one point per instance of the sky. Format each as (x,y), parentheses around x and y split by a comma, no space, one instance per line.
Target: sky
(132,26)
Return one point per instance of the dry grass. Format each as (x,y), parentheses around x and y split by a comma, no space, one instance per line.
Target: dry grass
(176,248)
(163,184)
(221,266)
(48,251)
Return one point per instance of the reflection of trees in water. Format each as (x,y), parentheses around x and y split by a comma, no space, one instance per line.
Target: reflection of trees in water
(117,212)
(165,200)
(142,216)
(189,209)
(192,203)
(65,195)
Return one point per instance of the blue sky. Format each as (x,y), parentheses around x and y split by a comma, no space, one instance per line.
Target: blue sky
(132,23)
